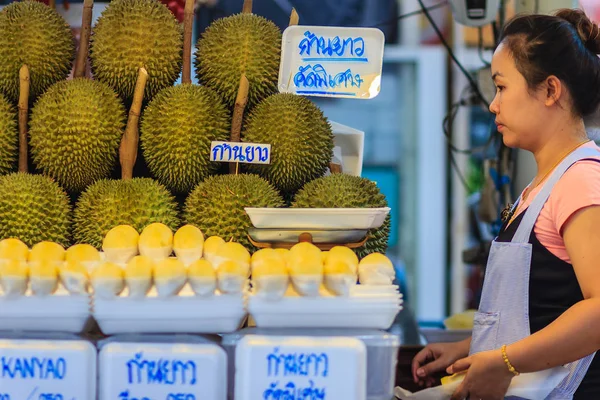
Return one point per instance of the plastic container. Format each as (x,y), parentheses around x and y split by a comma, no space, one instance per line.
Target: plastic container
(382,351)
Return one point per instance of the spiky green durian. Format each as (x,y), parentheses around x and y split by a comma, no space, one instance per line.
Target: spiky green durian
(176,132)
(107,203)
(75,131)
(300,136)
(34,34)
(9,136)
(241,43)
(131,34)
(34,208)
(347,191)
(216,205)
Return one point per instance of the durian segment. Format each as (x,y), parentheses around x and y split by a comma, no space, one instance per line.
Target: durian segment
(169,276)
(138,276)
(34,34)
(74,274)
(108,280)
(232,251)
(305,267)
(231,277)
(9,143)
(13,249)
(252,44)
(108,203)
(211,245)
(76,148)
(188,244)
(345,255)
(130,34)
(348,191)
(202,277)
(216,205)
(43,276)
(156,241)
(34,208)
(14,275)
(376,269)
(85,254)
(339,277)
(283,253)
(121,244)
(176,132)
(259,257)
(270,278)
(47,251)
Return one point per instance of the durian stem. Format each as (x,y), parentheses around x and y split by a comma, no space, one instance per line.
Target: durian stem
(238,116)
(129,143)
(247,8)
(84,39)
(23,116)
(188,24)
(294,18)
(52,4)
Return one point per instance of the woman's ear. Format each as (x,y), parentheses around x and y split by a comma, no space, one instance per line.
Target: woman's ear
(553,88)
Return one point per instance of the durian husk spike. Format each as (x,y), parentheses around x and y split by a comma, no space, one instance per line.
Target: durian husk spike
(129,143)
(238,116)
(188,24)
(84,41)
(23,115)
(247,8)
(294,18)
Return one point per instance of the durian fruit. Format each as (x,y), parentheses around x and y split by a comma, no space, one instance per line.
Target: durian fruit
(34,34)
(75,274)
(169,277)
(300,136)
(34,208)
(216,205)
(211,246)
(43,276)
(305,266)
(108,280)
(75,132)
(108,203)
(86,254)
(188,244)
(176,132)
(130,34)
(347,191)
(231,277)
(9,136)
(339,277)
(270,277)
(121,244)
(202,277)
(241,43)
(232,251)
(138,276)
(156,241)
(47,251)
(376,269)
(13,249)
(14,275)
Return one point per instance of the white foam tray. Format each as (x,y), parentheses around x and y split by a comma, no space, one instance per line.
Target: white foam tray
(317,218)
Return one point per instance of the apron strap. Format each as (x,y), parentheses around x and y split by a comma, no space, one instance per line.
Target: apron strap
(531,214)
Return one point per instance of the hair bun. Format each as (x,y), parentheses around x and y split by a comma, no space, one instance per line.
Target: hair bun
(588,31)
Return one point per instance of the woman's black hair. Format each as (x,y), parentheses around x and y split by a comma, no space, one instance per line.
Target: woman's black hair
(565,45)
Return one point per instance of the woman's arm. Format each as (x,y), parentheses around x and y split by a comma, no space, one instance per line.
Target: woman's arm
(576,333)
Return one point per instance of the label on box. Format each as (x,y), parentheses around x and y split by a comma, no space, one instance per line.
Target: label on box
(269,368)
(331,61)
(47,370)
(249,153)
(162,371)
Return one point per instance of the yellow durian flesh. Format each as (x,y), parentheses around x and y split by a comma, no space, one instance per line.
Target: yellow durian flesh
(284,253)
(43,277)
(211,246)
(306,272)
(270,278)
(339,277)
(74,276)
(138,276)
(233,251)
(47,251)
(345,255)
(120,244)
(376,269)
(13,249)
(108,280)
(14,275)
(202,277)
(261,255)
(169,276)
(188,244)
(85,253)
(231,277)
(156,241)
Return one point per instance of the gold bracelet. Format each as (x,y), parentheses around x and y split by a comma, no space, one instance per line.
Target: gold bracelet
(508,364)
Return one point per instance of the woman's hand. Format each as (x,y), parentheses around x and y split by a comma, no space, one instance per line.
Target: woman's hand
(487,376)
(437,357)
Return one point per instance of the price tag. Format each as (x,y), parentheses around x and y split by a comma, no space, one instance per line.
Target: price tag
(331,61)
(47,370)
(162,371)
(271,367)
(249,153)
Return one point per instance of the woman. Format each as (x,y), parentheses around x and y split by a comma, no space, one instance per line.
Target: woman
(540,305)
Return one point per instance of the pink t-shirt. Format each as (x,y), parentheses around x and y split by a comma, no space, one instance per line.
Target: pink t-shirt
(579,187)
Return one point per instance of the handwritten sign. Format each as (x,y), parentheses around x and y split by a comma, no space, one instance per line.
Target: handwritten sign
(269,368)
(47,370)
(162,371)
(331,61)
(249,153)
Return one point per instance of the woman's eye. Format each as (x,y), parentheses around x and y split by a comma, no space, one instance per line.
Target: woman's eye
(499,88)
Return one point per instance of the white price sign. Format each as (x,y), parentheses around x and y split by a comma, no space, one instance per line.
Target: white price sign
(270,367)
(162,371)
(47,370)
(331,61)
(249,153)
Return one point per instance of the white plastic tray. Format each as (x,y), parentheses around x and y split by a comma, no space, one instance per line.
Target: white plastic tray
(317,218)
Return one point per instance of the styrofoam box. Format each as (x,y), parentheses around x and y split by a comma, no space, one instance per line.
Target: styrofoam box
(47,369)
(266,366)
(381,353)
(170,371)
